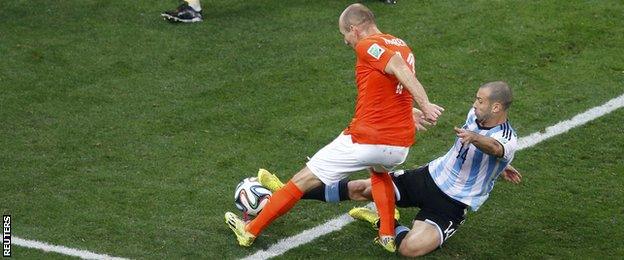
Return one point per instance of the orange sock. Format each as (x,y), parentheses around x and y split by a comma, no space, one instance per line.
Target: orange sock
(383,195)
(280,202)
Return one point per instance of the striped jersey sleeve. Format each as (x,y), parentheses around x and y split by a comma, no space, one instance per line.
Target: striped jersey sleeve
(507,137)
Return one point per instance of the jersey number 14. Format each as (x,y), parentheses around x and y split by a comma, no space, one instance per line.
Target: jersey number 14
(463,153)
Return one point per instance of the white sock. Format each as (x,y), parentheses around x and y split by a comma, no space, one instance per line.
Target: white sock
(194,4)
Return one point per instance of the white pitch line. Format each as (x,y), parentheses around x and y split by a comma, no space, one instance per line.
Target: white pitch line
(303,238)
(60,249)
(339,222)
(577,120)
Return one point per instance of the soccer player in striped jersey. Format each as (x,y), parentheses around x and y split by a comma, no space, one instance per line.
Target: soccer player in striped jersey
(446,187)
(461,179)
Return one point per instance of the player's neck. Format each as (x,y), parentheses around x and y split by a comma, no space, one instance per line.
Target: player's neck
(494,121)
(372,30)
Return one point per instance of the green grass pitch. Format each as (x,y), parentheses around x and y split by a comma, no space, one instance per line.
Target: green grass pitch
(125,135)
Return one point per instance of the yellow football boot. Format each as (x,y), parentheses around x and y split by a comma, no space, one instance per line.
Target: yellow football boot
(238,226)
(269,180)
(370,216)
(387,242)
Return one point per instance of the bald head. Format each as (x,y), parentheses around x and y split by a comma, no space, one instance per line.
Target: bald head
(499,92)
(356,14)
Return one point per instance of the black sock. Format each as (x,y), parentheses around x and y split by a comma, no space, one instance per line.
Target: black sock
(399,238)
(343,189)
(317,193)
(321,192)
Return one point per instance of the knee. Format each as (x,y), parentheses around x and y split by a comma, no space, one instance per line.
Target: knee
(416,245)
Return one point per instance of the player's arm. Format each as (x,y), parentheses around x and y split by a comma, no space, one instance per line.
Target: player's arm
(396,66)
(486,144)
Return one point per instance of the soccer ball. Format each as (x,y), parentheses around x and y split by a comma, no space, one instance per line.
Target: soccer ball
(250,196)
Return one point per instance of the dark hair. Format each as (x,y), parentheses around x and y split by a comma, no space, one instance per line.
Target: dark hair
(500,92)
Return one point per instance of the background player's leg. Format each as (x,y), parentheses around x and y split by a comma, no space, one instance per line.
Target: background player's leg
(194,4)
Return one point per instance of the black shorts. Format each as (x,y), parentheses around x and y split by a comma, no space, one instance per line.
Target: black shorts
(417,189)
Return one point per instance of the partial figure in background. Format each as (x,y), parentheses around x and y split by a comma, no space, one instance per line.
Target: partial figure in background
(189,11)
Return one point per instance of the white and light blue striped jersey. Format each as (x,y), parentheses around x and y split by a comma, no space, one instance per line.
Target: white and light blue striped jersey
(467,174)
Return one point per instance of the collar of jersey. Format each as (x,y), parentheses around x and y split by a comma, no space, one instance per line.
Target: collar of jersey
(487,128)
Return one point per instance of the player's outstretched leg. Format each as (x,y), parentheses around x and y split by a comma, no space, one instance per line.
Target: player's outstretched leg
(370,216)
(283,200)
(238,226)
(269,180)
(333,193)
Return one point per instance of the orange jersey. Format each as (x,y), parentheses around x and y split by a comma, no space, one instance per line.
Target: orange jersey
(383,110)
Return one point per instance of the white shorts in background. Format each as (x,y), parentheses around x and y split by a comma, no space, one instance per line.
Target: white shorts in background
(341,157)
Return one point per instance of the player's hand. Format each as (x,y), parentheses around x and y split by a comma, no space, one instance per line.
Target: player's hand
(431,112)
(419,120)
(512,175)
(465,136)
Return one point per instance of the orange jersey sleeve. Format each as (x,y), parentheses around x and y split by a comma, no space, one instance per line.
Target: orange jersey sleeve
(374,54)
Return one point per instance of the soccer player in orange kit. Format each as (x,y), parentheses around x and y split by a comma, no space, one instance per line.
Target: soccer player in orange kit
(378,137)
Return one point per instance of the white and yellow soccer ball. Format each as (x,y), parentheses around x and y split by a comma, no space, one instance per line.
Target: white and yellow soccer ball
(250,196)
